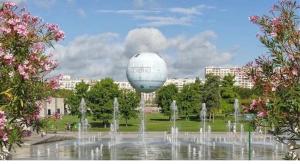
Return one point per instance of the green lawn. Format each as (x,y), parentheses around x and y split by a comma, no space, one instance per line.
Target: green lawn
(154,122)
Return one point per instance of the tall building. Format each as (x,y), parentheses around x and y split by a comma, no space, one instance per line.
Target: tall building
(180,82)
(240,79)
(68,83)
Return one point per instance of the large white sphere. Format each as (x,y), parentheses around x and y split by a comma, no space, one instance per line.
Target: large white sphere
(146,72)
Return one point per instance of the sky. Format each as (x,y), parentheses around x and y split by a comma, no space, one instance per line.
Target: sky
(102,35)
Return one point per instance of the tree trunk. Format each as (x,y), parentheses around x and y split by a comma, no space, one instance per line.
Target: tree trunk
(126,121)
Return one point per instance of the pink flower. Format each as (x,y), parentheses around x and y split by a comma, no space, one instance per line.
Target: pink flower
(254,18)
(38,47)
(52,27)
(59,35)
(273,34)
(21,30)
(295,71)
(8,59)
(13,21)
(33,57)
(3,119)
(9,4)
(253,104)
(49,64)
(3,136)
(22,71)
(54,84)
(54,81)
(276,22)
(26,16)
(262,114)
(36,115)
(5,30)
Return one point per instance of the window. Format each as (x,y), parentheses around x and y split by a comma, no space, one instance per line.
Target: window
(49,112)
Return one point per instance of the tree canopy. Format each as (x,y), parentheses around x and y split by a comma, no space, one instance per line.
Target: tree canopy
(164,98)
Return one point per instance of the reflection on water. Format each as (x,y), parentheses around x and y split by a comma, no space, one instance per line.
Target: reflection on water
(156,148)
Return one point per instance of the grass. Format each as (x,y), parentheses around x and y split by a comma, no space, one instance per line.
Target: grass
(154,122)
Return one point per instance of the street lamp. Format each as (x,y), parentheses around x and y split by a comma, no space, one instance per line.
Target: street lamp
(249,118)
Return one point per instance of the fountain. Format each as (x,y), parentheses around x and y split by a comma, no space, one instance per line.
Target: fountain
(241,134)
(115,124)
(82,129)
(114,130)
(142,127)
(236,114)
(229,126)
(142,118)
(203,120)
(174,131)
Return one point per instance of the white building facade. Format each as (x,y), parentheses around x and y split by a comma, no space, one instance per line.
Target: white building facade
(52,106)
(180,82)
(240,79)
(68,83)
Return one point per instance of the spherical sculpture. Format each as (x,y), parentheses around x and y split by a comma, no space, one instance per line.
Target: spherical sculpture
(146,72)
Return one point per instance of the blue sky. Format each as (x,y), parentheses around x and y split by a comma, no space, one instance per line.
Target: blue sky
(220,26)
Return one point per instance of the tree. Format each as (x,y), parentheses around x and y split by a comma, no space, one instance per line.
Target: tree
(211,92)
(189,100)
(62,93)
(73,100)
(164,98)
(100,99)
(24,72)
(228,93)
(72,103)
(81,89)
(244,93)
(277,74)
(129,101)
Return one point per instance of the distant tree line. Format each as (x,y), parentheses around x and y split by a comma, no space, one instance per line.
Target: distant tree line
(218,94)
(99,99)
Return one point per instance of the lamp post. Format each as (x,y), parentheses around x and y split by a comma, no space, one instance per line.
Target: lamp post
(249,118)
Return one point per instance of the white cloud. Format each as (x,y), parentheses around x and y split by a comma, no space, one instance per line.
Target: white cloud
(144,39)
(128,12)
(106,55)
(91,56)
(157,21)
(156,17)
(195,10)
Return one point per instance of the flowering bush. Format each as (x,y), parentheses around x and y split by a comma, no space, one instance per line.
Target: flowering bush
(24,69)
(278,74)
